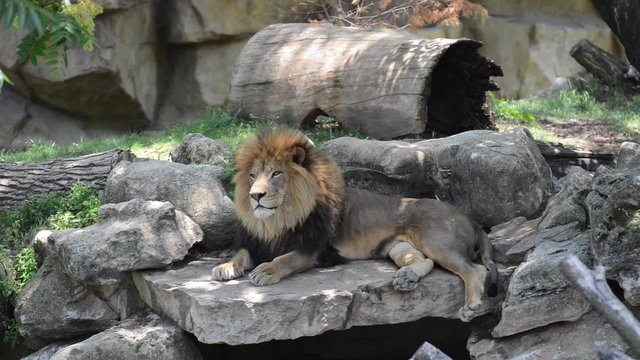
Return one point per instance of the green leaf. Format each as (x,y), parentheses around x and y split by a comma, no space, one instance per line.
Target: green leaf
(37,22)
(22,16)
(11,10)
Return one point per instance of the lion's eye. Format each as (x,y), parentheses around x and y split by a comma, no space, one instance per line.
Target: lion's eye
(252,176)
(276,174)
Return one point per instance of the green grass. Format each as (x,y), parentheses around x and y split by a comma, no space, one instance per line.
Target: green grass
(217,123)
(620,114)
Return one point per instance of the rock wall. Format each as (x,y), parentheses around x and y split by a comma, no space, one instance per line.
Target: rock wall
(531,40)
(164,62)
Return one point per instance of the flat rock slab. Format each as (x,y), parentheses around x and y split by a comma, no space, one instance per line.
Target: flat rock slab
(306,304)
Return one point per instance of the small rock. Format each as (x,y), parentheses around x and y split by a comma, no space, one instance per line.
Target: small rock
(199,149)
(628,156)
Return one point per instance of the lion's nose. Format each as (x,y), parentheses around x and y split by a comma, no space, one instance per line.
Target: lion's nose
(257,195)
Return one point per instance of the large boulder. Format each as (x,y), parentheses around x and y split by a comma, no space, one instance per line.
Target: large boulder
(55,307)
(493,176)
(194,190)
(128,236)
(614,209)
(355,294)
(144,337)
(538,292)
(563,340)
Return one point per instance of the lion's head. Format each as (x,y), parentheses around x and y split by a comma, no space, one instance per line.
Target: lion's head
(281,178)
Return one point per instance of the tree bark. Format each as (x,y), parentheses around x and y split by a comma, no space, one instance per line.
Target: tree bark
(25,181)
(593,285)
(384,83)
(604,66)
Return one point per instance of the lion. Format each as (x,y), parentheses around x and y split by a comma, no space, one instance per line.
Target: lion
(296,214)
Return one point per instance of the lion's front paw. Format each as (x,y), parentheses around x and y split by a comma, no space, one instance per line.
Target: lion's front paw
(264,274)
(226,271)
(466,313)
(405,279)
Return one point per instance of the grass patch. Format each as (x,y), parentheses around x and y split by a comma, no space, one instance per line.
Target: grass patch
(217,123)
(620,113)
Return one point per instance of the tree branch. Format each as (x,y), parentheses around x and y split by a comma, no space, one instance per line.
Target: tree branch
(593,286)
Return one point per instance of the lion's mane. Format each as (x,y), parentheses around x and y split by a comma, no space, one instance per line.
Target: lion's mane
(309,218)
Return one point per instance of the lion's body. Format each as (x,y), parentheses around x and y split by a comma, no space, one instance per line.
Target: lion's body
(297,214)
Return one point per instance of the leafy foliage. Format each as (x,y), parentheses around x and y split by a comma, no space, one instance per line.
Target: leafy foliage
(51,26)
(413,14)
(18,261)
(12,334)
(504,109)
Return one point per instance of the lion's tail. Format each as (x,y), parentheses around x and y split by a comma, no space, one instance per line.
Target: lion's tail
(486,255)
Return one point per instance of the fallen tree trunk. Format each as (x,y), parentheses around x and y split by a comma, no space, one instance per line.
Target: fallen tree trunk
(604,66)
(384,83)
(25,181)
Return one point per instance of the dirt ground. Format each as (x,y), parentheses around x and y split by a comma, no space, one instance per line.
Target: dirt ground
(586,135)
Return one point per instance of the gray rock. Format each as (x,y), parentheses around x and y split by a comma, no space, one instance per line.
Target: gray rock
(23,121)
(199,149)
(493,176)
(194,21)
(558,234)
(236,312)
(538,293)
(628,156)
(109,87)
(142,337)
(569,204)
(427,351)
(194,190)
(128,236)
(506,235)
(614,209)
(48,351)
(578,340)
(54,307)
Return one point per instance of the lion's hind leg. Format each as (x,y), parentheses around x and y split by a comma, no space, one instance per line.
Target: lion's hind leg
(234,268)
(473,276)
(412,263)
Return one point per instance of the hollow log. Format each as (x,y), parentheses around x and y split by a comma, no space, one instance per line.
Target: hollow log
(604,66)
(384,83)
(25,181)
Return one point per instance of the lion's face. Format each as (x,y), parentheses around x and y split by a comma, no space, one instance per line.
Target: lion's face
(276,187)
(269,183)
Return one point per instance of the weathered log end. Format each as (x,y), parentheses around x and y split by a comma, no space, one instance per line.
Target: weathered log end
(386,84)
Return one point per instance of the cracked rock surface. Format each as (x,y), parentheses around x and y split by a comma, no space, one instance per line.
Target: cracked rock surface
(236,312)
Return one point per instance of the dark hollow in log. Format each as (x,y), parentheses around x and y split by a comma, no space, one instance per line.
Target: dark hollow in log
(22,182)
(386,84)
(604,66)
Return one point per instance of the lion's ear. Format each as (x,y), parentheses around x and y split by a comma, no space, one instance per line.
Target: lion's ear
(299,155)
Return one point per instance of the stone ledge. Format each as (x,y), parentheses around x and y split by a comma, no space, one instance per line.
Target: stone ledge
(307,304)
